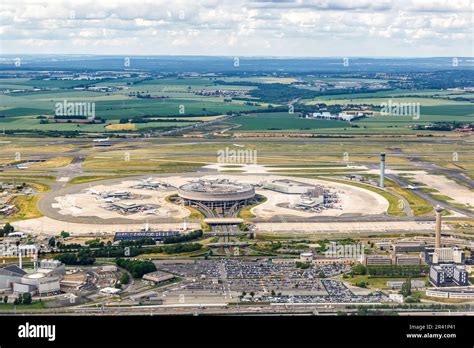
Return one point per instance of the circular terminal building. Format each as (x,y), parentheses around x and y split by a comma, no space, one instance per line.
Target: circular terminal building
(216,193)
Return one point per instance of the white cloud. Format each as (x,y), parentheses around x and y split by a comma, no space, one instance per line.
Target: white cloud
(226,27)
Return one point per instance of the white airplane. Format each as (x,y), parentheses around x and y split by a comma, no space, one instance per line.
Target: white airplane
(411,187)
(101,140)
(94,192)
(20,166)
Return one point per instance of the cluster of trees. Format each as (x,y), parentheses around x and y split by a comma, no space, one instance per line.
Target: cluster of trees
(277,92)
(142,119)
(361,284)
(6,230)
(37,133)
(22,299)
(408,295)
(134,248)
(137,268)
(406,288)
(70,119)
(180,248)
(125,278)
(408,271)
(184,238)
(303,265)
(441,79)
(444,126)
(138,242)
(359,270)
(83,257)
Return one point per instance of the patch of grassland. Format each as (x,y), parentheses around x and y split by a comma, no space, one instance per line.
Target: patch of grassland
(245,212)
(11,306)
(417,204)
(315,171)
(27,204)
(136,164)
(38,187)
(195,213)
(450,201)
(196,253)
(377,282)
(127,172)
(56,162)
(91,178)
(120,126)
(27,207)
(19,178)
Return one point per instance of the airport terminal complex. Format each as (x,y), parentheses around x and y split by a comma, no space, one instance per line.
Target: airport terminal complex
(221,193)
(223,238)
(254,192)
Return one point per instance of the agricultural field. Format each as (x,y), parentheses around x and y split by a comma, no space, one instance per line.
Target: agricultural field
(189,100)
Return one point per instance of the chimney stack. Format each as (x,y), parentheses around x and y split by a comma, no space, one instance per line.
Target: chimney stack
(438,210)
(35,262)
(382,169)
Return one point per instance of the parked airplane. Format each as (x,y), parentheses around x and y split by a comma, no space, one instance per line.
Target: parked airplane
(101,140)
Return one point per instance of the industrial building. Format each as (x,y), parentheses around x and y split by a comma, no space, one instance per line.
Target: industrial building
(441,255)
(407,259)
(127,207)
(158,277)
(447,274)
(306,257)
(377,260)
(343,116)
(42,281)
(294,187)
(452,292)
(408,247)
(310,204)
(415,284)
(116,195)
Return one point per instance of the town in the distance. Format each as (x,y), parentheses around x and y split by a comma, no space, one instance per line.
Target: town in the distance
(236,185)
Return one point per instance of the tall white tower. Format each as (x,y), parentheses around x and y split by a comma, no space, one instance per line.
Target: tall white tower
(382,169)
(20,259)
(438,211)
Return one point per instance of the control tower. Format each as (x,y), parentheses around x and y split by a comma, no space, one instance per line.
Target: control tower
(382,169)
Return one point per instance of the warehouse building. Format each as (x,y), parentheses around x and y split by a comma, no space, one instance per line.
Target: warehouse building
(377,260)
(407,259)
(408,247)
(13,278)
(294,187)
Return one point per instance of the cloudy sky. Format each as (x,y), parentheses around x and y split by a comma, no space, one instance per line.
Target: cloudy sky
(318,28)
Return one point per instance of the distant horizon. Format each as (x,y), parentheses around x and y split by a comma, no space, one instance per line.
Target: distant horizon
(229,56)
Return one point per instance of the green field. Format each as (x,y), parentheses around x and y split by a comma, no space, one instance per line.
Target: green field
(283,121)
(19,111)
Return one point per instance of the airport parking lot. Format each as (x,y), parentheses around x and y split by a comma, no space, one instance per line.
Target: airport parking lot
(262,280)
